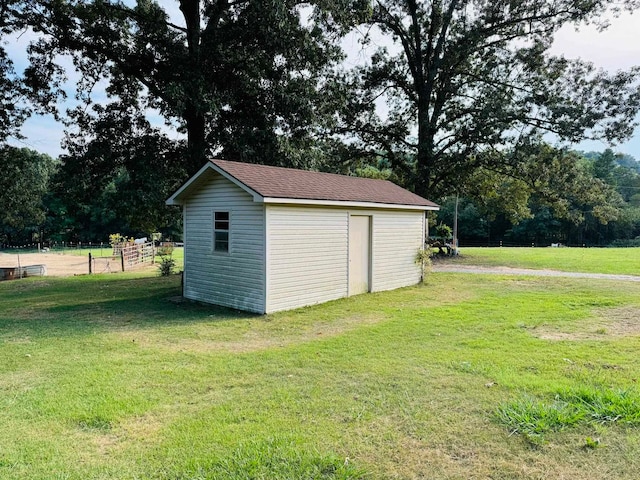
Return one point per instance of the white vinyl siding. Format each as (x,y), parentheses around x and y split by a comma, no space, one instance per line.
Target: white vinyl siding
(236,278)
(307,252)
(397,237)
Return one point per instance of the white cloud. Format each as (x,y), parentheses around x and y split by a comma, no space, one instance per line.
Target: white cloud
(615,48)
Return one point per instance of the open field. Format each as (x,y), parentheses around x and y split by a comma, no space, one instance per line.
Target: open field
(465,377)
(621,261)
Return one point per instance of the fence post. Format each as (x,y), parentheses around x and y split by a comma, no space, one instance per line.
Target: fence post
(122,259)
(90,272)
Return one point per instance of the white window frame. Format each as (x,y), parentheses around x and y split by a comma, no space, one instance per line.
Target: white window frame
(214,230)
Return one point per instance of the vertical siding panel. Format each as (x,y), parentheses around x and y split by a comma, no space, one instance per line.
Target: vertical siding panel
(184,240)
(267,262)
(397,237)
(307,255)
(235,279)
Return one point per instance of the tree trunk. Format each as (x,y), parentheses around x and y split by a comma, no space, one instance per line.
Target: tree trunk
(196,141)
(424,160)
(193,115)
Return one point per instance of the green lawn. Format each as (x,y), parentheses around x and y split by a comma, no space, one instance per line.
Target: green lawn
(104,377)
(589,260)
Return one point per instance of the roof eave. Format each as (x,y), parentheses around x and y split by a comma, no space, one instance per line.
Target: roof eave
(343,203)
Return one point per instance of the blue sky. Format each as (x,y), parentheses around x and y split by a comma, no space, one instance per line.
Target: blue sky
(614,49)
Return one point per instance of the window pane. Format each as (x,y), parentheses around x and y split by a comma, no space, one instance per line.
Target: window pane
(221,225)
(221,242)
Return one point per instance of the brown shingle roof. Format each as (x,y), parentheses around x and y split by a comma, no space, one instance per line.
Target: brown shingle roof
(278,182)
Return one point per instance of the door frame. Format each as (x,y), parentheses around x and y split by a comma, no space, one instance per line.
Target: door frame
(369,216)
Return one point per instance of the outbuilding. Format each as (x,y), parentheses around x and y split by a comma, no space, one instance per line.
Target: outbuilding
(263,239)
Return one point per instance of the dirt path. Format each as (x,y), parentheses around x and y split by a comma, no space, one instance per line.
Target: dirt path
(443,267)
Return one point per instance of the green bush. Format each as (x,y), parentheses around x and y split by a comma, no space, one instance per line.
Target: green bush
(166,266)
(423,259)
(631,242)
(165,249)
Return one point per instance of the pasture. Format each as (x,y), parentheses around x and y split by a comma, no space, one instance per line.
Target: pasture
(622,261)
(466,376)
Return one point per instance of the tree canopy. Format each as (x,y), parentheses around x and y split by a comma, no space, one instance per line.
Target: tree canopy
(463,97)
(469,80)
(248,79)
(577,206)
(23,184)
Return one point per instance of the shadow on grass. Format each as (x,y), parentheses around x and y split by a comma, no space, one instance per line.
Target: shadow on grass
(74,306)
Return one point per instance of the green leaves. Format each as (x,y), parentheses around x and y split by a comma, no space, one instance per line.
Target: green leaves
(23,184)
(250,79)
(465,84)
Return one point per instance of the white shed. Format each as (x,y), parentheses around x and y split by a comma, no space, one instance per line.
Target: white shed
(263,239)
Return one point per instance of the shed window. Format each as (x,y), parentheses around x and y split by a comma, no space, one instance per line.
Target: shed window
(221,224)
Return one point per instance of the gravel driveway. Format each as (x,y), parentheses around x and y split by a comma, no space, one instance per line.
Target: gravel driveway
(444,267)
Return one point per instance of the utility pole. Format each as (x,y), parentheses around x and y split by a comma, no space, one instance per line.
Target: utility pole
(455,228)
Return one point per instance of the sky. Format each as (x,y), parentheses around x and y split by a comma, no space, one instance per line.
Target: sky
(617,48)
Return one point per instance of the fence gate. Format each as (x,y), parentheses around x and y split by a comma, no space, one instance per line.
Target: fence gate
(126,256)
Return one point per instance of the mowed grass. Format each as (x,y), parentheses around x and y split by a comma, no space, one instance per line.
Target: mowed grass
(623,261)
(105,377)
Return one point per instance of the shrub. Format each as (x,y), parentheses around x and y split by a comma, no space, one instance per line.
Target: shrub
(423,259)
(166,266)
(444,231)
(631,242)
(116,238)
(165,249)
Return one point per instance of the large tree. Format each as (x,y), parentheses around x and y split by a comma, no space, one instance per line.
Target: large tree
(23,184)
(118,180)
(466,79)
(246,78)
(249,80)
(12,109)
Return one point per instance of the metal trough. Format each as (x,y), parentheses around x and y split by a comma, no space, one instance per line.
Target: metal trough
(11,273)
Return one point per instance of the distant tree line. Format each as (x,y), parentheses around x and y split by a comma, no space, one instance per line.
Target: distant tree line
(44,203)
(611,218)
(460,97)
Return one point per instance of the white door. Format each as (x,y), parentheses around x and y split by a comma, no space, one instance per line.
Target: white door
(359,253)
